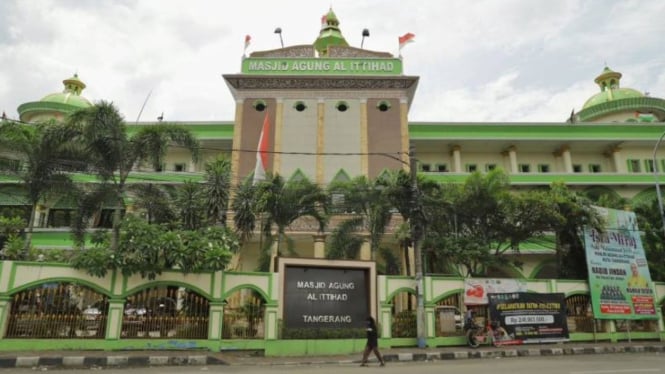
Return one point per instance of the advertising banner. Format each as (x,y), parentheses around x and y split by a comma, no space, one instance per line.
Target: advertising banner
(529,317)
(476,289)
(619,278)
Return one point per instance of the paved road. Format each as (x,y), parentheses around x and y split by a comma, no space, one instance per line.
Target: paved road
(619,363)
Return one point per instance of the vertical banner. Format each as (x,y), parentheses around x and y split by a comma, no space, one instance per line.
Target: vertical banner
(529,317)
(476,289)
(619,278)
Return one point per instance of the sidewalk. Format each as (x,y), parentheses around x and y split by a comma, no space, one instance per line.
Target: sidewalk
(100,359)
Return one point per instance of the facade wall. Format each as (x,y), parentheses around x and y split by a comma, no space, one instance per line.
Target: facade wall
(342,134)
(299,134)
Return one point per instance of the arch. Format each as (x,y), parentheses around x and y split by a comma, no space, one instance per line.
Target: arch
(154,284)
(43,281)
(506,271)
(392,295)
(542,265)
(447,294)
(644,197)
(596,192)
(251,286)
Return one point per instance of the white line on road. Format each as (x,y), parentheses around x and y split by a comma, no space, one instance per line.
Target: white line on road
(617,371)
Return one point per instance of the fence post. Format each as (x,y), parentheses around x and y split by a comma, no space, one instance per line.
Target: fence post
(114,319)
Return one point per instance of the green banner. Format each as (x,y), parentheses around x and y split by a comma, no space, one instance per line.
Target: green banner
(322,66)
(619,279)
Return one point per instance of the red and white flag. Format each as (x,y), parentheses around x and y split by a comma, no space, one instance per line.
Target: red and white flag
(262,151)
(248,39)
(324,20)
(405,39)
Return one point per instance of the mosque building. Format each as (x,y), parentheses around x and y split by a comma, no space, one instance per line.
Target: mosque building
(334,111)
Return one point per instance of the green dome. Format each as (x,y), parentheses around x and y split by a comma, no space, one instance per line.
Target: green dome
(71,94)
(57,105)
(612,94)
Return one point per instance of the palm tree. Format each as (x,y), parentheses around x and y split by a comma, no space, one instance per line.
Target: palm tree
(114,154)
(217,185)
(278,204)
(45,168)
(368,199)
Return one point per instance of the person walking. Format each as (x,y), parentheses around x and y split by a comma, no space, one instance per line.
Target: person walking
(372,342)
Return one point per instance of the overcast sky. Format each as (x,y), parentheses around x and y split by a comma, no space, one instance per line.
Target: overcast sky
(480,60)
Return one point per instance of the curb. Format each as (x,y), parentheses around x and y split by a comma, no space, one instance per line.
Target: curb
(120,361)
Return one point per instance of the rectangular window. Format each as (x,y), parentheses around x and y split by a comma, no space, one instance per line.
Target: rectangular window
(471,168)
(180,167)
(577,168)
(543,168)
(594,168)
(425,168)
(649,166)
(524,168)
(634,166)
(442,168)
(490,167)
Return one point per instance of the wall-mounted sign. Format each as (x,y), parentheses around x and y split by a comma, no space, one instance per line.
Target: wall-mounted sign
(325,297)
(322,66)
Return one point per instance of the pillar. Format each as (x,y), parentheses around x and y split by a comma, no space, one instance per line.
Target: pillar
(364,136)
(114,318)
(365,249)
(270,322)
(5,308)
(320,142)
(512,157)
(279,123)
(619,165)
(319,245)
(567,159)
(457,159)
(216,320)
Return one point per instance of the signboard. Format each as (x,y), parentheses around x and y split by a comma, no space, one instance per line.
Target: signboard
(619,278)
(476,290)
(530,317)
(322,66)
(325,297)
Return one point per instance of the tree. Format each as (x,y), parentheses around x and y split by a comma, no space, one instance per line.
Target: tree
(45,169)
(277,204)
(113,154)
(217,186)
(155,200)
(477,224)
(149,249)
(650,223)
(576,212)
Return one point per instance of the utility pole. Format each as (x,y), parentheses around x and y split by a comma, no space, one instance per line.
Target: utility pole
(416,234)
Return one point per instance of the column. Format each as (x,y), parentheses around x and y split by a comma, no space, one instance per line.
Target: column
(319,245)
(320,142)
(235,157)
(567,160)
(366,249)
(273,252)
(619,165)
(114,318)
(512,156)
(5,307)
(270,322)
(385,319)
(216,320)
(277,157)
(404,129)
(364,144)
(410,255)
(457,159)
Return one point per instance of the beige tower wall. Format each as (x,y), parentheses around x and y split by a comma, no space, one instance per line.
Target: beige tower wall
(252,123)
(385,136)
(299,134)
(341,135)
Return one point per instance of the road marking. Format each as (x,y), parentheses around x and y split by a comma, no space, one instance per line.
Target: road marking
(617,371)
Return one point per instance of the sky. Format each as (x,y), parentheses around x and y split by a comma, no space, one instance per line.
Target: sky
(478,61)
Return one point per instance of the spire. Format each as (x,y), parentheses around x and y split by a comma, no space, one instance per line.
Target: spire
(608,79)
(330,34)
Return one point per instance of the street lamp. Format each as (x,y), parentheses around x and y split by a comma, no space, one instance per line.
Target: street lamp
(365,35)
(655,175)
(279,31)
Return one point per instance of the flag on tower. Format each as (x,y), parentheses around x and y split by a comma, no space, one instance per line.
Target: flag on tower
(405,39)
(248,39)
(324,20)
(262,151)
